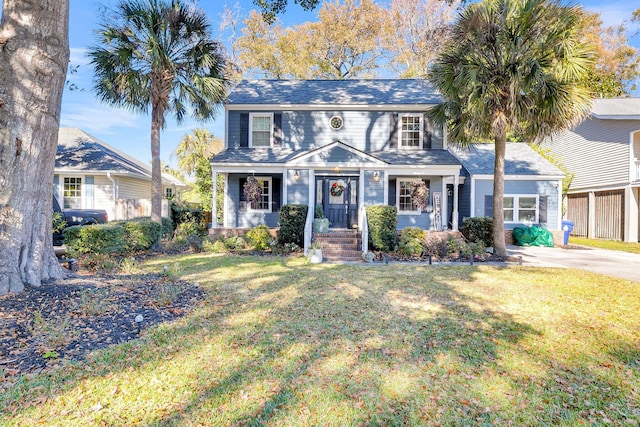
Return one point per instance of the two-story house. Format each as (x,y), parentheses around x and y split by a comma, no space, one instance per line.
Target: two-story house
(345,145)
(603,153)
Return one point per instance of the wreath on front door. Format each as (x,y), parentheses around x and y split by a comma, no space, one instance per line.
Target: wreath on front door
(252,190)
(336,189)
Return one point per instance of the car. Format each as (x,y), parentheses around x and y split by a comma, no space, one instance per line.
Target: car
(77,217)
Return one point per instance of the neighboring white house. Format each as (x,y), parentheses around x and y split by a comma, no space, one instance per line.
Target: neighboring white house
(90,174)
(603,153)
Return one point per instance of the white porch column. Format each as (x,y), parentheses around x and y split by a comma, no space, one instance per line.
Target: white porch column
(214,208)
(591,217)
(630,214)
(285,186)
(454,219)
(225,204)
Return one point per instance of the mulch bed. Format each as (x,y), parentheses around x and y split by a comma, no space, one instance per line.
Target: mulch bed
(69,319)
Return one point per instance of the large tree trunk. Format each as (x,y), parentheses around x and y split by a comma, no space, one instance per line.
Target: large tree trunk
(34,54)
(499,246)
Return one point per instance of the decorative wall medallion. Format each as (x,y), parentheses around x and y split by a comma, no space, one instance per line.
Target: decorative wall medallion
(336,122)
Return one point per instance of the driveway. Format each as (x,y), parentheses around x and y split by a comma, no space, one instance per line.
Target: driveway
(613,263)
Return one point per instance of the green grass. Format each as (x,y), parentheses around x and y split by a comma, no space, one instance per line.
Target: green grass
(632,247)
(280,342)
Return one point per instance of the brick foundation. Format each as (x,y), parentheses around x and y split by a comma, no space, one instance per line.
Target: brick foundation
(214,233)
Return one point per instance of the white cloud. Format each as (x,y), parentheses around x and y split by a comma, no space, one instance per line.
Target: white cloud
(97,118)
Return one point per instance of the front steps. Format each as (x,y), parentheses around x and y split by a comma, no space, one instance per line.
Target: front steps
(340,245)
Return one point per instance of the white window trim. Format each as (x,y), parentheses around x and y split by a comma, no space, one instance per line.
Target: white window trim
(251,117)
(421,134)
(405,179)
(516,207)
(82,190)
(263,178)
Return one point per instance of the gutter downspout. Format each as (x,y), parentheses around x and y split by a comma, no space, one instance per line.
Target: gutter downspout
(114,192)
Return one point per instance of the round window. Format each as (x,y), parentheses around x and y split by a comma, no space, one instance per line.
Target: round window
(336,122)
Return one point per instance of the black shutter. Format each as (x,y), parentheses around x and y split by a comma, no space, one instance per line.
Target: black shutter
(244,129)
(277,129)
(276,194)
(393,127)
(426,138)
(488,206)
(392,192)
(542,209)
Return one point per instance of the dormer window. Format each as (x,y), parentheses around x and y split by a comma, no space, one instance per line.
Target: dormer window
(411,130)
(260,129)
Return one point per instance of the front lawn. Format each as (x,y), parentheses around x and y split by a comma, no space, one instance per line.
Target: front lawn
(614,245)
(281,342)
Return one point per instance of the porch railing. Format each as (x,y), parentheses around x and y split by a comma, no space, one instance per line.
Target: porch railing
(308,227)
(365,230)
(637,162)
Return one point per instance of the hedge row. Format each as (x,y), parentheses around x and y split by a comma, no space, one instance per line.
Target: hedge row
(122,237)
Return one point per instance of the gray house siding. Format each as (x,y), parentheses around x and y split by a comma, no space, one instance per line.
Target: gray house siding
(597,152)
(298,191)
(304,130)
(545,189)
(373,191)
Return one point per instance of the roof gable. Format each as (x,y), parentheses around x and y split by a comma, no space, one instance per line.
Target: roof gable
(335,153)
(334,92)
(80,152)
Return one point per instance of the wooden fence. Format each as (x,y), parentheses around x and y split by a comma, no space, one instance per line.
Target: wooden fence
(136,208)
(608,215)
(578,212)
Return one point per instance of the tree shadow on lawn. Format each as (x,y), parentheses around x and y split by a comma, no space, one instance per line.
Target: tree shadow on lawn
(382,322)
(369,342)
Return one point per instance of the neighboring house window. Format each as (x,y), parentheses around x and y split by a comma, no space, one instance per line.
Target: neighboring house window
(411,131)
(521,208)
(168,192)
(264,203)
(72,193)
(260,129)
(404,197)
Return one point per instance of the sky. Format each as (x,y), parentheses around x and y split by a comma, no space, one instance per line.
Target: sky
(130,132)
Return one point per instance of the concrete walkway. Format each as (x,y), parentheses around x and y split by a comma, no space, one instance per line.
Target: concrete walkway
(613,263)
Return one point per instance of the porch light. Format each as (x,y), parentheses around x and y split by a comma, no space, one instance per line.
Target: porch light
(429,208)
(296,175)
(376,176)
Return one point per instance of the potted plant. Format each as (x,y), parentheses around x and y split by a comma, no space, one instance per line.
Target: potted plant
(315,253)
(320,223)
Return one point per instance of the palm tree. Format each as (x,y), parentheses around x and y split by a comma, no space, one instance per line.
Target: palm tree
(511,66)
(159,54)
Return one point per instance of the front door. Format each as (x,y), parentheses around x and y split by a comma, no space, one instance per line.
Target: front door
(339,200)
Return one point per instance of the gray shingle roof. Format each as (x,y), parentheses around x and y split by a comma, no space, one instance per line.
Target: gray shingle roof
(417,157)
(334,92)
(520,159)
(79,151)
(622,108)
(282,156)
(254,155)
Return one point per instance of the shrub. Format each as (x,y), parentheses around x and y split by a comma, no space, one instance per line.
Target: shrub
(140,234)
(182,212)
(167,228)
(190,228)
(99,238)
(411,241)
(259,237)
(292,220)
(234,242)
(478,229)
(217,247)
(382,222)
(436,246)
